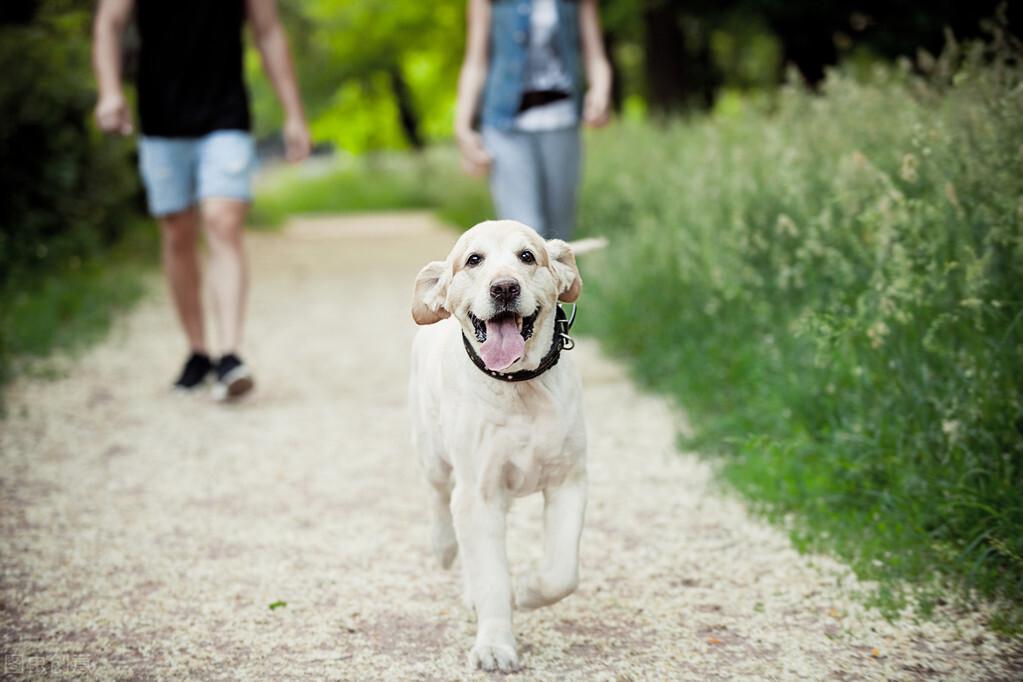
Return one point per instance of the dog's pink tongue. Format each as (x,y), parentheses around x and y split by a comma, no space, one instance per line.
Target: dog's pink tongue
(504,344)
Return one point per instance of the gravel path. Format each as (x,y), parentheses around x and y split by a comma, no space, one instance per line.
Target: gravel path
(146,535)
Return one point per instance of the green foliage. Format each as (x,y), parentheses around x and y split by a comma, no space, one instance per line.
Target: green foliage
(834,290)
(344,52)
(66,191)
(379,182)
(68,194)
(72,308)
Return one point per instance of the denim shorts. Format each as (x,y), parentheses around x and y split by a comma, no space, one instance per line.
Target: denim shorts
(179,171)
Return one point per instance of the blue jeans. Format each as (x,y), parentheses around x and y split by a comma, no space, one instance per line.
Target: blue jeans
(178,172)
(534,177)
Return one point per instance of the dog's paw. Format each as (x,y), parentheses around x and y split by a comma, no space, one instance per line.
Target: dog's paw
(491,656)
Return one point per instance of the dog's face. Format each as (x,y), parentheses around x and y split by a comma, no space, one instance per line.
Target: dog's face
(502,282)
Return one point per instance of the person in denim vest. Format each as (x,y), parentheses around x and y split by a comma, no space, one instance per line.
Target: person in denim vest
(196,154)
(522,79)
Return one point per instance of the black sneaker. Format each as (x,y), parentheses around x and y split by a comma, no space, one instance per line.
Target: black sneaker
(197,368)
(233,378)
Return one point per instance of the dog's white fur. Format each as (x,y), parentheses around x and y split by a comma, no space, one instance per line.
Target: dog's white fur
(483,442)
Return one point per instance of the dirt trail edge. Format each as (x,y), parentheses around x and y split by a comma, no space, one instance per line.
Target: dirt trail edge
(147,535)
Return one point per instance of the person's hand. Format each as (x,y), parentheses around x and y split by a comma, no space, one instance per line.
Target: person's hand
(597,107)
(297,143)
(475,159)
(113,114)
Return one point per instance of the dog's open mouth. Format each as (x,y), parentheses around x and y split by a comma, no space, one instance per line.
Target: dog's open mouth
(523,324)
(503,337)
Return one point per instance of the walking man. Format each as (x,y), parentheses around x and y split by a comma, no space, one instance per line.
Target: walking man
(196,155)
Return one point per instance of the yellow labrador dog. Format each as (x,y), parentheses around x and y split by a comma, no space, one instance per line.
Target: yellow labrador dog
(497,414)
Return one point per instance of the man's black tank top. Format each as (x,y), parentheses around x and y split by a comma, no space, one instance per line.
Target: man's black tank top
(190,79)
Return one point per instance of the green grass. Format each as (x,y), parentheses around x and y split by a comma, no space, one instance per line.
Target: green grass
(431,180)
(834,290)
(71,307)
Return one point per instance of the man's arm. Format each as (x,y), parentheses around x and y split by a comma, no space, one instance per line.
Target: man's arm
(273,47)
(112,112)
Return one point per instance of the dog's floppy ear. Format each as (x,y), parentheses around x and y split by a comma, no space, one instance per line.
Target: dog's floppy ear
(566,272)
(430,291)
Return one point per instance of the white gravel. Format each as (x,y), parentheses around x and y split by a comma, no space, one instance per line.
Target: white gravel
(144,535)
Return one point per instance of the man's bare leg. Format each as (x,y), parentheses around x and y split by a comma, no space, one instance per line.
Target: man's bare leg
(180,232)
(223,221)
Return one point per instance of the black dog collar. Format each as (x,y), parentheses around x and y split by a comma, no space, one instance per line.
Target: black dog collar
(561,341)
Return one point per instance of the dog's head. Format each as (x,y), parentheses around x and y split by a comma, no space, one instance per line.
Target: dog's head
(501,282)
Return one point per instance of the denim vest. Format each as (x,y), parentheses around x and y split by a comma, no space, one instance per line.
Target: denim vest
(509,44)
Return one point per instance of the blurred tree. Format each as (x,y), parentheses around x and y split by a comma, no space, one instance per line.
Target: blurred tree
(805,30)
(18,11)
(374,73)
(621,26)
(689,48)
(679,71)
(407,113)
(68,193)
(814,34)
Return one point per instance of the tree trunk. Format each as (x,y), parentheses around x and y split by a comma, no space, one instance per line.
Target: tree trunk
(809,51)
(407,113)
(617,95)
(678,75)
(665,58)
(18,12)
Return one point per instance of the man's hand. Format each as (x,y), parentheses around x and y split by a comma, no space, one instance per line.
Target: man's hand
(113,115)
(297,143)
(597,107)
(112,112)
(273,46)
(475,159)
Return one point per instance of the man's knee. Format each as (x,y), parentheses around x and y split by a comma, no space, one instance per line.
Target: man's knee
(179,231)
(224,222)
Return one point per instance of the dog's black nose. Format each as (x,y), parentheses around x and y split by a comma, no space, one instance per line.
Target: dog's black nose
(504,290)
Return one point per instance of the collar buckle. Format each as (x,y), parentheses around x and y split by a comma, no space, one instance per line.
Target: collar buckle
(563,326)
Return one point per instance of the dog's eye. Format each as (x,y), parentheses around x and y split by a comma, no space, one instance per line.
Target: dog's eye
(527,257)
(473,260)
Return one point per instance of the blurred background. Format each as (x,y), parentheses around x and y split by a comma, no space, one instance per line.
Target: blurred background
(816,214)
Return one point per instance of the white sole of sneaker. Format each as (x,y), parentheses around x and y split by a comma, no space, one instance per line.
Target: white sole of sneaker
(234,385)
(183,390)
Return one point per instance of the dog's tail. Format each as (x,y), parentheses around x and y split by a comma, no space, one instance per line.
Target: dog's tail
(581,246)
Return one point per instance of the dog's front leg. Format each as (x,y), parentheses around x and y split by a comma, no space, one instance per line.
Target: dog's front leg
(480,527)
(564,509)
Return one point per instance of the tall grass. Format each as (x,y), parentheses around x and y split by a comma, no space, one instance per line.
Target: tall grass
(834,290)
